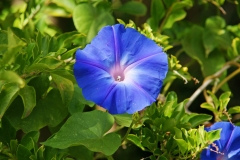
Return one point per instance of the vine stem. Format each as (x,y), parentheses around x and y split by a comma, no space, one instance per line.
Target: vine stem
(128,131)
(165,19)
(208,80)
(226,79)
(219,7)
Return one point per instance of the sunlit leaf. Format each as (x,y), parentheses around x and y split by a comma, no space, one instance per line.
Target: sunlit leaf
(88,129)
(90,20)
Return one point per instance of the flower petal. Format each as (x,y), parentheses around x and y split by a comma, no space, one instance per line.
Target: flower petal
(94,81)
(115,51)
(149,73)
(208,155)
(222,143)
(133,46)
(226,132)
(101,50)
(123,99)
(233,147)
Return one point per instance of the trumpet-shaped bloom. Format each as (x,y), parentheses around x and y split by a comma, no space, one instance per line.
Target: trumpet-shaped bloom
(121,70)
(227,147)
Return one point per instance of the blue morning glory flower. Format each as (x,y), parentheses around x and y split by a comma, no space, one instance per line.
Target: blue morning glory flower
(121,70)
(227,147)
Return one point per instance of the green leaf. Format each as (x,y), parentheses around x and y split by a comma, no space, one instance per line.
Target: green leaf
(40,153)
(28,96)
(90,131)
(168,3)
(14,145)
(169,125)
(80,152)
(78,102)
(57,11)
(215,35)
(157,10)
(65,87)
(23,153)
(213,40)
(11,77)
(179,111)
(198,119)
(134,7)
(178,133)
(181,4)
(234,50)
(215,23)
(223,100)
(29,139)
(69,54)
(214,98)
(182,145)
(135,140)
(174,17)
(15,44)
(7,95)
(90,20)
(234,110)
(51,62)
(209,107)
(123,119)
(193,46)
(214,135)
(7,132)
(41,85)
(48,111)
(66,4)
(168,108)
(162,158)
(68,74)
(65,40)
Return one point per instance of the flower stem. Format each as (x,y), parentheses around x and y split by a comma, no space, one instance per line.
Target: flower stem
(128,131)
(166,87)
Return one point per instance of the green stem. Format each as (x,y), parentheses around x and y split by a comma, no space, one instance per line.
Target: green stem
(128,131)
(165,19)
(179,52)
(166,87)
(225,80)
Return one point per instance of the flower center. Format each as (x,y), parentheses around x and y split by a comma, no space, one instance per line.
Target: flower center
(118,74)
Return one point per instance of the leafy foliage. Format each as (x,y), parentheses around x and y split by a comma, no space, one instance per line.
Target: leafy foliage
(44,115)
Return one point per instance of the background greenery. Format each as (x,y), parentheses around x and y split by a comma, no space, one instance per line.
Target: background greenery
(44,115)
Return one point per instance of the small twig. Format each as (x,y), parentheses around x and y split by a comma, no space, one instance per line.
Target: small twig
(226,79)
(219,7)
(32,15)
(207,81)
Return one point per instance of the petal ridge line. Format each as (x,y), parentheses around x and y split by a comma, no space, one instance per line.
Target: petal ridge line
(132,65)
(141,89)
(116,45)
(94,64)
(109,91)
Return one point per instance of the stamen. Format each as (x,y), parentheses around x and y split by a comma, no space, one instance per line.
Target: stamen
(119,78)
(216,149)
